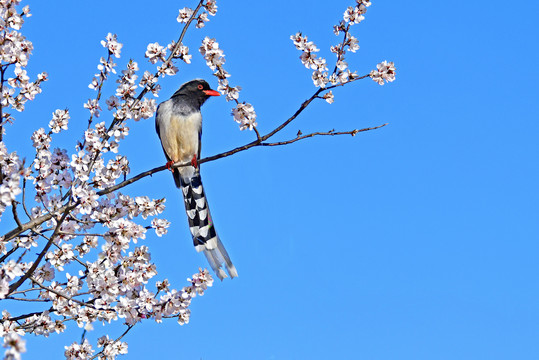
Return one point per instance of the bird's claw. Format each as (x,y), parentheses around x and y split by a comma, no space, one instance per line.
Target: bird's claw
(194,161)
(169,165)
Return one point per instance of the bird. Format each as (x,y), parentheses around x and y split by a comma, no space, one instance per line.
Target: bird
(178,123)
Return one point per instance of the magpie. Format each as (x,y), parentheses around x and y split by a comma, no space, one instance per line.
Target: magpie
(178,123)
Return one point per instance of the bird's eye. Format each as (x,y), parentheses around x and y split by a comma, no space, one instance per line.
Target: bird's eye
(200,87)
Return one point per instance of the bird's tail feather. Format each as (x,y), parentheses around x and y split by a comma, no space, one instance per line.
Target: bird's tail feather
(201,226)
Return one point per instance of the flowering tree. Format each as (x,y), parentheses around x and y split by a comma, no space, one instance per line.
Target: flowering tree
(69,206)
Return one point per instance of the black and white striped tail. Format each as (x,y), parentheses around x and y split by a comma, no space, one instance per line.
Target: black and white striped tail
(204,236)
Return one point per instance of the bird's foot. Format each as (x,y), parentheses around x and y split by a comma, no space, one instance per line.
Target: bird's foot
(169,165)
(194,161)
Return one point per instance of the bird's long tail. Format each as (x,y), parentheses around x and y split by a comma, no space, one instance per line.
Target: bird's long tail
(200,223)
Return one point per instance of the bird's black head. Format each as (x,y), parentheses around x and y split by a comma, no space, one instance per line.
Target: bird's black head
(196,91)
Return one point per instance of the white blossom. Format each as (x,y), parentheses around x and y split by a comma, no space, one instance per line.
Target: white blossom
(320,79)
(244,114)
(155,52)
(77,351)
(160,226)
(112,44)
(15,346)
(384,71)
(201,20)
(184,15)
(328,97)
(211,7)
(353,15)
(59,120)
(93,106)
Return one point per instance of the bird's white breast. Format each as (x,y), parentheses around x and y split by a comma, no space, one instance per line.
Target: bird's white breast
(179,134)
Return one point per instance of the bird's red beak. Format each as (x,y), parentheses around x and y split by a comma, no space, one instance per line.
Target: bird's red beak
(211,93)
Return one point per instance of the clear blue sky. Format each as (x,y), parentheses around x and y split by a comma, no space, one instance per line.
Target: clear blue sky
(415,241)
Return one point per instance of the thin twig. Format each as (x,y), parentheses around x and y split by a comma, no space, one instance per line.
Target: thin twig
(24,291)
(24,198)
(330,133)
(26,299)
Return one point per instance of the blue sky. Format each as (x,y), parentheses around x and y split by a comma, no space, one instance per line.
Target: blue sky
(415,241)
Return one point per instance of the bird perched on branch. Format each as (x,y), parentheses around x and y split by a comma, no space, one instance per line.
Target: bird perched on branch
(178,123)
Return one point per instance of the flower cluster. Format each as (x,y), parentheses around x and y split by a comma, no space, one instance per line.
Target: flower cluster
(111,348)
(354,15)
(111,43)
(59,120)
(15,51)
(340,74)
(384,71)
(186,13)
(105,67)
(310,59)
(15,346)
(78,351)
(160,226)
(157,53)
(244,113)
(11,168)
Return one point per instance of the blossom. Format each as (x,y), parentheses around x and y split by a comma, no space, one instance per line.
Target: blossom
(308,56)
(212,53)
(86,199)
(320,79)
(245,115)
(112,44)
(93,106)
(148,80)
(168,68)
(328,97)
(11,269)
(155,52)
(77,351)
(112,102)
(15,344)
(45,273)
(353,15)
(202,18)
(181,52)
(59,120)
(201,281)
(9,189)
(211,7)
(352,43)
(40,139)
(160,226)
(184,15)
(384,71)
(60,257)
